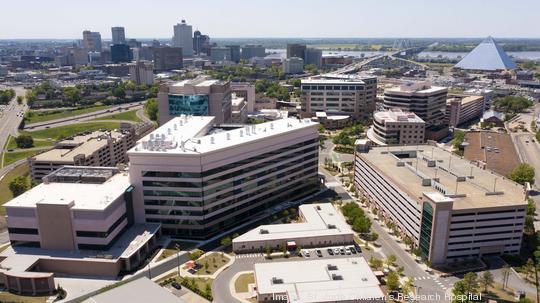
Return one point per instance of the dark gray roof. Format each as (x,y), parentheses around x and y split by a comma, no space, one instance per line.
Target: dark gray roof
(487,56)
(139,291)
(491,113)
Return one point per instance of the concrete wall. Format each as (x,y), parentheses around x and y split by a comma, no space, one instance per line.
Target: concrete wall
(57,233)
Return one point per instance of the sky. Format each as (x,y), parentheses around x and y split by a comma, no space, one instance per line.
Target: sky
(66,19)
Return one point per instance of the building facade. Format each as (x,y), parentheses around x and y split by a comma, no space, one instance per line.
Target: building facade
(91,41)
(168,58)
(339,95)
(183,37)
(198,97)
(98,148)
(296,50)
(397,127)
(293,65)
(121,53)
(252,51)
(198,181)
(313,56)
(463,108)
(247,91)
(118,35)
(142,72)
(426,101)
(450,208)
(220,53)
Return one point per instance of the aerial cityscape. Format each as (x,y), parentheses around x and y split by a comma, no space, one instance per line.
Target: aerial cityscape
(216,151)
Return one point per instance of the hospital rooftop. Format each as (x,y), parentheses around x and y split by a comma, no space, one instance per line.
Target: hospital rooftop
(197,135)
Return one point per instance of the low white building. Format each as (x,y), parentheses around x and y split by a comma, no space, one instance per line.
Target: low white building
(320,280)
(321,225)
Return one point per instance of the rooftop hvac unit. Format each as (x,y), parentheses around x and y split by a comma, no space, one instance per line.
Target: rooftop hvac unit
(276,280)
(331,267)
(263,231)
(337,277)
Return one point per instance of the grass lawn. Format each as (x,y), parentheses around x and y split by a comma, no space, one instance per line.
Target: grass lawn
(171,248)
(126,116)
(13,298)
(10,157)
(241,284)
(42,116)
(37,143)
(215,261)
(70,130)
(5,193)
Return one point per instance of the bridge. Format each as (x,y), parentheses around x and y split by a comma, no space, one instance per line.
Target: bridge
(394,59)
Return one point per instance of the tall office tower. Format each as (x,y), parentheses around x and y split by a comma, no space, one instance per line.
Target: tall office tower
(92,41)
(313,56)
(198,97)
(198,180)
(167,58)
(118,35)
(252,51)
(293,65)
(296,50)
(235,52)
(199,41)
(426,101)
(121,53)
(339,95)
(142,72)
(183,37)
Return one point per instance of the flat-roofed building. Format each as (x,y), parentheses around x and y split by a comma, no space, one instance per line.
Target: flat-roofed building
(79,221)
(339,95)
(141,72)
(198,180)
(239,109)
(97,148)
(293,65)
(463,108)
(317,281)
(426,101)
(397,127)
(321,225)
(449,207)
(198,97)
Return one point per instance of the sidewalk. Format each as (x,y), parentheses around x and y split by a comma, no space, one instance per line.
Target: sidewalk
(243,296)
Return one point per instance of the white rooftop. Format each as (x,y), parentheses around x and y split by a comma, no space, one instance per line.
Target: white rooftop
(320,220)
(312,281)
(397,115)
(190,135)
(412,87)
(82,195)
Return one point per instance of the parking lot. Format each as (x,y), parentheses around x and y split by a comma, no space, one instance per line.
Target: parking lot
(331,252)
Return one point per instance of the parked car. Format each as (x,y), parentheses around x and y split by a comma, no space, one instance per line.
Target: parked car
(357,248)
(318,252)
(305,253)
(341,250)
(330,251)
(337,251)
(176,285)
(352,249)
(347,251)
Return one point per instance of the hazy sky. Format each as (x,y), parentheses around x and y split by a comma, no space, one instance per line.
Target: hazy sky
(273,18)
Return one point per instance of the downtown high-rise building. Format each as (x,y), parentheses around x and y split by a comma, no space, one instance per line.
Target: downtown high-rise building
(118,35)
(199,41)
(183,37)
(91,41)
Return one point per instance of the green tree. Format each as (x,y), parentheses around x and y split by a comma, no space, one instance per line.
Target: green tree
(523,173)
(226,241)
(373,236)
(362,225)
(119,92)
(208,289)
(72,94)
(20,100)
(390,260)
(465,287)
(392,281)
(528,268)
(19,185)
(24,141)
(151,109)
(375,263)
(408,286)
(486,280)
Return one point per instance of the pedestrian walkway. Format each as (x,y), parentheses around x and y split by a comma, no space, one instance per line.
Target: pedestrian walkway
(251,256)
(444,284)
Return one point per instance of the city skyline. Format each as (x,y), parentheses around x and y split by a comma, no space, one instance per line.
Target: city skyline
(416,19)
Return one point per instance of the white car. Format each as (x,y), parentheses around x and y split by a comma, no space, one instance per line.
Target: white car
(305,253)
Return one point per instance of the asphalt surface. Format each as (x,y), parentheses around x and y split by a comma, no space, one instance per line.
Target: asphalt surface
(85,117)
(11,117)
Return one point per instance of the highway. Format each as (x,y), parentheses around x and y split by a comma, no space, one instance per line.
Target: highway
(11,116)
(85,117)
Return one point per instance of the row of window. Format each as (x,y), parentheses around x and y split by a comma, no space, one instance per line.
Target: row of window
(101,234)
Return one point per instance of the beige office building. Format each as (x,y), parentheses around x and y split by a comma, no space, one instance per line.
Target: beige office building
(142,73)
(396,127)
(463,108)
(79,221)
(339,95)
(97,148)
(451,208)
(198,97)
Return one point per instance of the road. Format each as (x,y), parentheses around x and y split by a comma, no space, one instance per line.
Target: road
(85,117)
(11,117)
